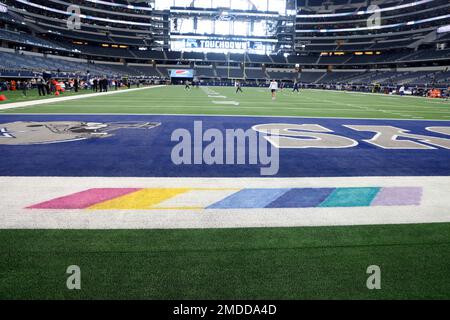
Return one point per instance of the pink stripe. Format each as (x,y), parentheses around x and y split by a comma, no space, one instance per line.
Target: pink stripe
(84,199)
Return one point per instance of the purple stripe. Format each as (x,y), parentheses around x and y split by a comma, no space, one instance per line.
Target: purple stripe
(398,196)
(84,199)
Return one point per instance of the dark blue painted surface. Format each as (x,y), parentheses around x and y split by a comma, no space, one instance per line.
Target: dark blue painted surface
(302,198)
(146,153)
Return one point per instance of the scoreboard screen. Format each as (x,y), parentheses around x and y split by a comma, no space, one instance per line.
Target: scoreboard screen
(181,73)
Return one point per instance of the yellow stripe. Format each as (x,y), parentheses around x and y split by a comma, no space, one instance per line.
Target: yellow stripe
(178,208)
(139,200)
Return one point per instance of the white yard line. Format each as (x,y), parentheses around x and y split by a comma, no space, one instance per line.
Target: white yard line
(231,103)
(213,94)
(60,99)
(212,115)
(234,103)
(375,94)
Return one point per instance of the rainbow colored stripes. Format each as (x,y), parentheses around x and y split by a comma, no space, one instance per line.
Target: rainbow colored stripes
(197,198)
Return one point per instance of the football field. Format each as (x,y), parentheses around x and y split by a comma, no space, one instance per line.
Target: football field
(254,102)
(90,180)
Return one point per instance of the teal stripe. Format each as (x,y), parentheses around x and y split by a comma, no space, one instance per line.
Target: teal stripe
(350,197)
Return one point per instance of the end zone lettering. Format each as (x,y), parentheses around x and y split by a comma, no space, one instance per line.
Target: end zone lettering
(302,136)
(247,309)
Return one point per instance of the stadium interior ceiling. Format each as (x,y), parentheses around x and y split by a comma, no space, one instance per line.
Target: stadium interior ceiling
(311,41)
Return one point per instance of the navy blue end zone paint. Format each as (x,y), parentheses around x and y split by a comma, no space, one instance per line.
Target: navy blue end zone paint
(146,153)
(302,198)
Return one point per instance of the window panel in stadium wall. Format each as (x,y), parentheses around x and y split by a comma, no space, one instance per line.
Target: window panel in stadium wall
(259,5)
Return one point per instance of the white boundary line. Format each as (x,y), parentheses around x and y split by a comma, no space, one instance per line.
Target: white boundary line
(208,115)
(59,99)
(25,191)
(372,93)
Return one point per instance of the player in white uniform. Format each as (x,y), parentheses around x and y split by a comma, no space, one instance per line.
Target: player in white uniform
(273,88)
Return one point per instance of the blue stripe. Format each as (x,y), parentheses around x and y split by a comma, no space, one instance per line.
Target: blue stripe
(249,198)
(302,198)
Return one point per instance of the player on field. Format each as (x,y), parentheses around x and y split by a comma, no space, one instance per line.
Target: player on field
(296,87)
(237,84)
(273,88)
(187,85)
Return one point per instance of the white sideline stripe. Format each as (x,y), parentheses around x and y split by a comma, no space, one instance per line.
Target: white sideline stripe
(246,107)
(60,99)
(20,192)
(196,198)
(213,115)
(376,94)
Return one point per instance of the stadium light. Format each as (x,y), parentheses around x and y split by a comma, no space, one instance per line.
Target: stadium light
(3,9)
(112,4)
(444,29)
(244,14)
(361,12)
(32,4)
(375,27)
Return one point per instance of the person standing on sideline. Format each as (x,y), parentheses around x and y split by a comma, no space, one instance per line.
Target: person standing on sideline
(95,85)
(273,88)
(105,84)
(24,87)
(40,86)
(76,84)
(47,87)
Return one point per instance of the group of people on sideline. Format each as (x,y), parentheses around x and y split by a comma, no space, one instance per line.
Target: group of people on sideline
(50,86)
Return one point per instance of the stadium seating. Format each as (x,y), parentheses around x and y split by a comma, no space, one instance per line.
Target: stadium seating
(255,73)
(210,56)
(282,75)
(27,39)
(138,50)
(205,72)
(338,77)
(310,77)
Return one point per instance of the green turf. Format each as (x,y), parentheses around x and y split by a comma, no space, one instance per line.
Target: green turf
(18,96)
(254,101)
(270,263)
